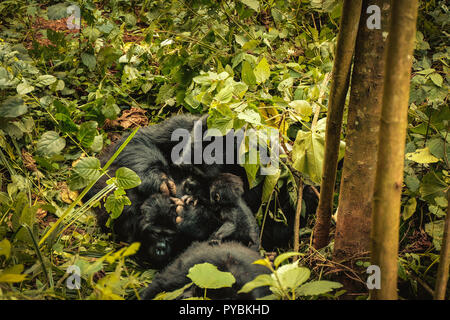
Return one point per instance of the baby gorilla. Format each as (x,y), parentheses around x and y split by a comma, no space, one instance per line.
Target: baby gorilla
(228,257)
(220,213)
(237,220)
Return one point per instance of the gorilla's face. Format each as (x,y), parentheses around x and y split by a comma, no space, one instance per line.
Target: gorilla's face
(159,241)
(157,230)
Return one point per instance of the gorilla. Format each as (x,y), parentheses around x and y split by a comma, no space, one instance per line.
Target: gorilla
(150,155)
(156,230)
(228,257)
(238,222)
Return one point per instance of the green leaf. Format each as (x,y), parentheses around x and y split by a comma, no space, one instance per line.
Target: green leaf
(437,79)
(97,144)
(432,186)
(115,204)
(250,115)
(247,74)
(172,295)
(302,108)
(89,60)
(291,275)
(308,153)
(87,133)
(127,178)
(422,156)
(262,71)
(409,208)
(260,281)
(88,168)
(24,88)
(435,229)
(224,95)
(12,274)
(207,276)
(5,248)
(50,144)
(282,257)
(131,249)
(221,118)
(45,80)
(315,288)
(270,182)
(13,107)
(253,4)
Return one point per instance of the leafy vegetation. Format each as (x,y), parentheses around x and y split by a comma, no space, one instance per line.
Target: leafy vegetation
(65,94)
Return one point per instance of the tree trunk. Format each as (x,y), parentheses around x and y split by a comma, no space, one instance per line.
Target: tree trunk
(364,110)
(444,260)
(351,12)
(391,153)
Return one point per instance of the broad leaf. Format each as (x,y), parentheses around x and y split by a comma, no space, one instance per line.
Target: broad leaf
(260,281)
(12,108)
(127,178)
(50,144)
(315,288)
(207,276)
(262,71)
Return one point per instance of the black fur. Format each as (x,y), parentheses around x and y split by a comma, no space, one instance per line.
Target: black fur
(156,230)
(228,257)
(237,221)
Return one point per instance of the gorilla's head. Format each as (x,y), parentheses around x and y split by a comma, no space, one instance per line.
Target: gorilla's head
(157,230)
(227,188)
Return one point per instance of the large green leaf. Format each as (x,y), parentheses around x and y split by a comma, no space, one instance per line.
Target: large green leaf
(262,71)
(127,178)
(115,204)
(87,133)
(308,153)
(435,229)
(206,275)
(5,248)
(432,186)
(291,275)
(88,168)
(260,281)
(50,144)
(247,74)
(315,288)
(89,60)
(253,4)
(422,156)
(12,108)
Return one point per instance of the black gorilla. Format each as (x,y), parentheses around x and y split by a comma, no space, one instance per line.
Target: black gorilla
(156,230)
(150,155)
(237,221)
(228,257)
(218,210)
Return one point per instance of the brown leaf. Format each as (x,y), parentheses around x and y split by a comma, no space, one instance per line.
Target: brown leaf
(28,161)
(68,196)
(131,118)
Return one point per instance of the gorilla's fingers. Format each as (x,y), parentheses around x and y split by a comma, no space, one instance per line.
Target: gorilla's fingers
(164,189)
(177,201)
(188,200)
(172,187)
(179,210)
